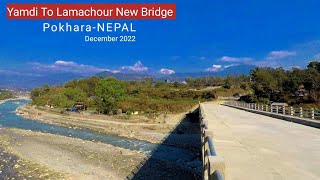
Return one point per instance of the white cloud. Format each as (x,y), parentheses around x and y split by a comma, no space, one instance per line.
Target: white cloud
(236,59)
(67,66)
(65,63)
(11,72)
(217,67)
(274,55)
(230,65)
(137,67)
(166,71)
(214,68)
(270,60)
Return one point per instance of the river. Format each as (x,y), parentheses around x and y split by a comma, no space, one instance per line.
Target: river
(9,119)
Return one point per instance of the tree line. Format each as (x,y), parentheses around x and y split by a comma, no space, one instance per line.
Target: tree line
(263,85)
(108,94)
(294,86)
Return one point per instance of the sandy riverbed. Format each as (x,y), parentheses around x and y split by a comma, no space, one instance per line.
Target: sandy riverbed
(140,127)
(34,155)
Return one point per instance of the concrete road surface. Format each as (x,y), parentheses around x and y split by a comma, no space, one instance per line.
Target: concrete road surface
(258,147)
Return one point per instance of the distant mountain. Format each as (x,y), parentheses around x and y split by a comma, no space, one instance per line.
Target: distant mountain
(125,77)
(234,70)
(30,82)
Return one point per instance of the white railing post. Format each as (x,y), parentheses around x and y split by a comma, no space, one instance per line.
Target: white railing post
(283,110)
(301,112)
(277,109)
(266,108)
(255,106)
(291,110)
(312,113)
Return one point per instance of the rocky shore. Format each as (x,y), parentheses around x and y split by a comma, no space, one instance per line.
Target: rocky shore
(58,156)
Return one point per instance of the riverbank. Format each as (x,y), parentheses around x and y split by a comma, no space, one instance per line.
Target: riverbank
(17,98)
(72,158)
(137,127)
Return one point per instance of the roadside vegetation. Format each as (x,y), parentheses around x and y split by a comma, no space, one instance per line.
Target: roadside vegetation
(295,87)
(107,95)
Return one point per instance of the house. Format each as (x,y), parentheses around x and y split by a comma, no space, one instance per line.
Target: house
(301,91)
(167,81)
(80,106)
(91,98)
(279,104)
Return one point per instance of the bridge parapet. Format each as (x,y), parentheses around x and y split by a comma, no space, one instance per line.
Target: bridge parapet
(213,165)
(309,117)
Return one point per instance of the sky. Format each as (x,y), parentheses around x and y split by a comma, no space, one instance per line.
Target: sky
(207,35)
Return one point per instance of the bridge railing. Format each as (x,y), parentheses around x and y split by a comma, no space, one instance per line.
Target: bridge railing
(311,113)
(213,165)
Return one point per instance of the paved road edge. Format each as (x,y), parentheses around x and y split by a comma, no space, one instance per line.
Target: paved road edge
(298,120)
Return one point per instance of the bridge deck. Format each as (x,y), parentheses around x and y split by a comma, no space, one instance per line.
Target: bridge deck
(260,147)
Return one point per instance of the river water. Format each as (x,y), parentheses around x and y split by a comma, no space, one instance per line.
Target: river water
(8,118)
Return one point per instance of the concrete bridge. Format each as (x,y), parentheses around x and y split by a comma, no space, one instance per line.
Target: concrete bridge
(253,146)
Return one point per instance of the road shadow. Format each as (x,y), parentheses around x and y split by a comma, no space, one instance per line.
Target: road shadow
(178,156)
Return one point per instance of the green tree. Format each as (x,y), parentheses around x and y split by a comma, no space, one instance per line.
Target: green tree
(315,65)
(60,100)
(293,80)
(264,83)
(110,92)
(227,82)
(312,84)
(88,85)
(75,94)
(71,84)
